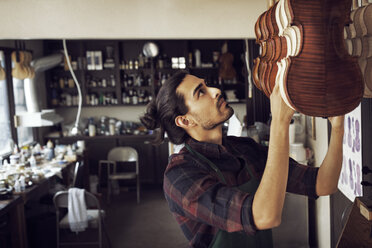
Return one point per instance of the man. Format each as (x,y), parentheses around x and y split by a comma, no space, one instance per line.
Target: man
(229,191)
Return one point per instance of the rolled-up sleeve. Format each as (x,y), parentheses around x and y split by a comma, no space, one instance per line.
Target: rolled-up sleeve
(302,179)
(247,215)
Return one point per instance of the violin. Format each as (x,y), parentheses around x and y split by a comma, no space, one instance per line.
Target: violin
(277,41)
(2,73)
(226,68)
(366,57)
(360,45)
(22,62)
(19,70)
(265,67)
(316,75)
(27,64)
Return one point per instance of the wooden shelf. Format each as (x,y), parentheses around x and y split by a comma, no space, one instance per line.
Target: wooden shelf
(102,137)
(203,68)
(137,87)
(101,89)
(69,90)
(146,71)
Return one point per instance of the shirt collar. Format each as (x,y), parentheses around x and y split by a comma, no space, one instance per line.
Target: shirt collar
(209,150)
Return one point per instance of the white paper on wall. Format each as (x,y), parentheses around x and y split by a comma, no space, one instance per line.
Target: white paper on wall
(351,173)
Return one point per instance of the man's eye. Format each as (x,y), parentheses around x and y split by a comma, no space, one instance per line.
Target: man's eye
(201,92)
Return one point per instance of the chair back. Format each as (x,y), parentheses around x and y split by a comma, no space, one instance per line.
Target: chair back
(60,200)
(124,153)
(78,175)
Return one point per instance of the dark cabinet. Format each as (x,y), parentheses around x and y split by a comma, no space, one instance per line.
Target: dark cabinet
(115,72)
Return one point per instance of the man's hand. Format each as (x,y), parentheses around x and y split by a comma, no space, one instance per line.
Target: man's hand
(280,111)
(337,122)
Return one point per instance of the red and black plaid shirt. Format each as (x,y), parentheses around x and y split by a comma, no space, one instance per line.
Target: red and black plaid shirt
(202,204)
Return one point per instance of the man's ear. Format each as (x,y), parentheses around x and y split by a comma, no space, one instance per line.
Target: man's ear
(184,122)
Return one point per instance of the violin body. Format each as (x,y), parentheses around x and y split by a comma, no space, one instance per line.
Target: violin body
(19,71)
(366,58)
(226,70)
(316,74)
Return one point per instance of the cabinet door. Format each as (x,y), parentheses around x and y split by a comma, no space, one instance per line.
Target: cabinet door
(162,154)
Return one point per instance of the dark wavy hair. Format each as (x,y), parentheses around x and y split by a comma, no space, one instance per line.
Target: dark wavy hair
(162,111)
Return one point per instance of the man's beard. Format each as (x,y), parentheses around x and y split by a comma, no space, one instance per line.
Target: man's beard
(210,124)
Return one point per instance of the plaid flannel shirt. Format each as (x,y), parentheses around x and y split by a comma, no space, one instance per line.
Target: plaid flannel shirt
(202,204)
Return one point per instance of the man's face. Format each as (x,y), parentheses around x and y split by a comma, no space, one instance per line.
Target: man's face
(206,105)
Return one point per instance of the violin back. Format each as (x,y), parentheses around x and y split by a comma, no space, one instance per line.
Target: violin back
(323,80)
(316,75)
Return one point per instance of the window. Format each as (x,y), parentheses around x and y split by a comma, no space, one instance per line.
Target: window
(24,134)
(5,124)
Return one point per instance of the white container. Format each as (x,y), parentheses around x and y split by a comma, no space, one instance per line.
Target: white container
(297,152)
(92,130)
(81,145)
(32,161)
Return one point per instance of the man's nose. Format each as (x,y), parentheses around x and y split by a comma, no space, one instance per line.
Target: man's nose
(215,92)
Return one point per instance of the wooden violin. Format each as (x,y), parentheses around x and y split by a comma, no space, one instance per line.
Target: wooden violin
(2,73)
(273,48)
(21,60)
(226,68)
(367,20)
(316,76)
(277,40)
(19,71)
(360,45)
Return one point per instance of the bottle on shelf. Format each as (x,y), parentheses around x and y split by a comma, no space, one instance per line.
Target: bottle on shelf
(160,62)
(91,127)
(103,129)
(190,61)
(125,80)
(141,61)
(112,126)
(102,83)
(130,80)
(112,80)
(135,97)
(197,55)
(130,64)
(125,97)
(136,64)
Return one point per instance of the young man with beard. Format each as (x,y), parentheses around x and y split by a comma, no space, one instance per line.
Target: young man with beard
(229,191)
